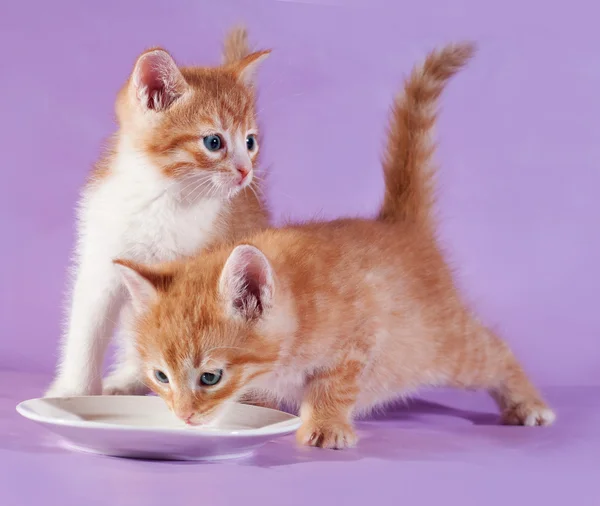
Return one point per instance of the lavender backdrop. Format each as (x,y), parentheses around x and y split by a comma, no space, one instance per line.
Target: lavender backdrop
(518,134)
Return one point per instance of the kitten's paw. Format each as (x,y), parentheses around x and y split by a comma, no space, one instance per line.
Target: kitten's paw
(59,389)
(334,435)
(119,385)
(530,414)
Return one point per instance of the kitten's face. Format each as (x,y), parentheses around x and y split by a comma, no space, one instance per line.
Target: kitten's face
(197,124)
(198,334)
(199,374)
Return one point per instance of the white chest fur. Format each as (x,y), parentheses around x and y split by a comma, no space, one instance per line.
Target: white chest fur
(137,213)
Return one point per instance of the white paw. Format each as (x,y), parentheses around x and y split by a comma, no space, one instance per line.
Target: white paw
(124,385)
(540,417)
(59,389)
(533,414)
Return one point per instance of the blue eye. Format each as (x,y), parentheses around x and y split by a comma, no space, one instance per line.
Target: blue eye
(161,377)
(210,379)
(251,142)
(213,142)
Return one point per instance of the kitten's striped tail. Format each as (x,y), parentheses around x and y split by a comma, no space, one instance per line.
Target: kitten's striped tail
(407,163)
(235,47)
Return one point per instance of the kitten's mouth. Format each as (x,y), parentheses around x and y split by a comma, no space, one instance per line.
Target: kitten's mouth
(243,181)
(237,185)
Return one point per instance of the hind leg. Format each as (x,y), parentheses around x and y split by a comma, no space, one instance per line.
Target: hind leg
(485,361)
(518,400)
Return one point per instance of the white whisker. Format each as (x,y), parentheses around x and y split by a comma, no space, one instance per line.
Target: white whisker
(253,191)
(198,178)
(197,188)
(199,182)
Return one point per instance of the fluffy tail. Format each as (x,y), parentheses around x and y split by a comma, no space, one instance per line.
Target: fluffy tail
(407,163)
(235,47)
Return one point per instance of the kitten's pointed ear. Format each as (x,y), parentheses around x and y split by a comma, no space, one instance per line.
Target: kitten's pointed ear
(235,47)
(246,284)
(142,282)
(247,67)
(156,80)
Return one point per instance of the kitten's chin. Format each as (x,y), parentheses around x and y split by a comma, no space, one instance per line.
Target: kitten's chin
(235,186)
(234,192)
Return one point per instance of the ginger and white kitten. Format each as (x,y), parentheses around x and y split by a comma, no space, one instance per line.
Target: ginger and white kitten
(177,178)
(336,318)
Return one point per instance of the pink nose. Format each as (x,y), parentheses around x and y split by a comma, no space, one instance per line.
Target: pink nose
(243,171)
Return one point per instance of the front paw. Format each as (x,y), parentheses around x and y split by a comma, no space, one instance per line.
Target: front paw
(59,389)
(334,435)
(116,385)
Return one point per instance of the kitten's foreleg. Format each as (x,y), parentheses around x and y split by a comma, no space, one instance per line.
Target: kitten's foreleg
(96,300)
(327,407)
(126,375)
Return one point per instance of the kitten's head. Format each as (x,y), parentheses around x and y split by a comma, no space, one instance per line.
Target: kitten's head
(199,328)
(197,124)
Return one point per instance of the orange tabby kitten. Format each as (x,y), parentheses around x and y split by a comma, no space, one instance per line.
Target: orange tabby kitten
(335,317)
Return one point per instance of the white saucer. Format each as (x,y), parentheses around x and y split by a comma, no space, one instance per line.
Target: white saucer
(144,427)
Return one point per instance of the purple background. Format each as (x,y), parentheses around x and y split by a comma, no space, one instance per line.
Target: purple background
(518,149)
(518,207)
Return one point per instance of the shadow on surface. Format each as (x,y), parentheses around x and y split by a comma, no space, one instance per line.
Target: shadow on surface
(414,410)
(418,430)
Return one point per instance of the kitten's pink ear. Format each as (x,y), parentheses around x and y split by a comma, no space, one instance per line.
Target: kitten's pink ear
(246,68)
(142,282)
(246,283)
(157,81)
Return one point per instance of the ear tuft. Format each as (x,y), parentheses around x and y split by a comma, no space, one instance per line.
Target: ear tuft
(246,283)
(157,81)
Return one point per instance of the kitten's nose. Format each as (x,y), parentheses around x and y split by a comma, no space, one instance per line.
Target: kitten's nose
(243,172)
(186,415)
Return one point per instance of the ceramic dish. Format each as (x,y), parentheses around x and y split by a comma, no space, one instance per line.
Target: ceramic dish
(143,427)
